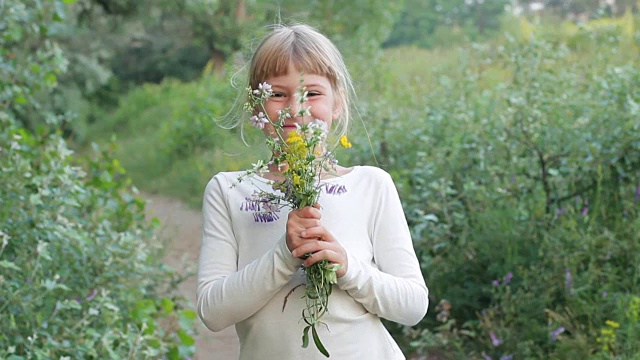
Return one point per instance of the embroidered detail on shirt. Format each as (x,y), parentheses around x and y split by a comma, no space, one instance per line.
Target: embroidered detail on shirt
(263,210)
(265,217)
(333,189)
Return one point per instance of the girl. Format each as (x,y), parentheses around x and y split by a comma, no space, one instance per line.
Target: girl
(250,261)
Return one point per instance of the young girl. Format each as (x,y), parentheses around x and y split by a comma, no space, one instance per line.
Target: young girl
(251,264)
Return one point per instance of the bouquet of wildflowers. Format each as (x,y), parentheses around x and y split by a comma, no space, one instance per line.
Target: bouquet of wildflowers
(301,159)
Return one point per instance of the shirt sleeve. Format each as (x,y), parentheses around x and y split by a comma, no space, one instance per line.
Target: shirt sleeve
(225,294)
(393,288)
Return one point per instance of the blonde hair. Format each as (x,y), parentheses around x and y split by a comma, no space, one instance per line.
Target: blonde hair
(312,53)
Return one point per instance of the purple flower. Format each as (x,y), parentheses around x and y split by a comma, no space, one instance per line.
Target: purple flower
(266,87)
(263,91)
(506,357)
(604,294)
(585,209)
(495,283)
(317,123)
(568,280)
(556,332)
(91,295)
(494,339)
(486,357)
(259,120)
(637,196)
(560,211)
(507,278)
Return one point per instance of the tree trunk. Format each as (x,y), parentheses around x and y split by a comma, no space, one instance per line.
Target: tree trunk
(216,62)
(241,11)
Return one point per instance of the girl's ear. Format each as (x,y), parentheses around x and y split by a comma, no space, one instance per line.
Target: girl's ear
(337,111)
(337,107)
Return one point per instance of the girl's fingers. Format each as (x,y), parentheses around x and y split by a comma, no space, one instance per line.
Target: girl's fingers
(328,255)
(322,246)
(317,232)
(315,246)
(296,225)
(334,257)
(308,247)
(308,212)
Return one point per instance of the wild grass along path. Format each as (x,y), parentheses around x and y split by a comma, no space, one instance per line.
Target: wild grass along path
(180,229)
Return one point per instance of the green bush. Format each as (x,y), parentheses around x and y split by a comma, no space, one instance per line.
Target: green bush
(81,275)
(81,272)
(172,136)
(523,196)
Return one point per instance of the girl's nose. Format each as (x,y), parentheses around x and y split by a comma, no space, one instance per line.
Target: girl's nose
(298,107)
(294,106)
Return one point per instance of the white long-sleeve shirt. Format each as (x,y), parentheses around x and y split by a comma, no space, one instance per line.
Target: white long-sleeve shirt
(246,270)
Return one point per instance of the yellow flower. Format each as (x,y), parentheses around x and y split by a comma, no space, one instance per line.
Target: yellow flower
(295,151)
(294,138)
(612,324)
(296,179)
(344,141)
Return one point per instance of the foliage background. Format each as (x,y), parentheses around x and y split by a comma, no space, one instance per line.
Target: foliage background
(512,135)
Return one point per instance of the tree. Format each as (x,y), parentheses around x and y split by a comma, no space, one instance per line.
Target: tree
(219,28)
(591,8)
(421,19)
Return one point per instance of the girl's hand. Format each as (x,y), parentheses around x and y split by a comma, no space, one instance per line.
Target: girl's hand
(298,221)
(306,235)
(322,246)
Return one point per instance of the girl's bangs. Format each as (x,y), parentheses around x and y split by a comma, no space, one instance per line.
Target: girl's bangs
(274,61)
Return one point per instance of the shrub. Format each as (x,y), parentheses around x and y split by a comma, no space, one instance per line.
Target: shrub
(523,198)
(172,139)
(80,270)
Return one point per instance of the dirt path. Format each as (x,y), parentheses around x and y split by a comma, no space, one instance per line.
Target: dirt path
(180,228)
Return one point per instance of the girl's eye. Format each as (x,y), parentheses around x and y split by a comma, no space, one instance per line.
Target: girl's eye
(313,93)
(277,95)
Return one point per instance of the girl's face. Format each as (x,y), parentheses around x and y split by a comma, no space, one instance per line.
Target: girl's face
(321,99)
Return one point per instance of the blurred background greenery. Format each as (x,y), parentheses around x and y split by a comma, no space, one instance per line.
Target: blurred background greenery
(512,129)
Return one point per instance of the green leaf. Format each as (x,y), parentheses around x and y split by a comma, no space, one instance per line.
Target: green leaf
(50,79)
(186,318)
(144,309)
(151,327)
(174,354)
(69,1)
(185,338)
(316,340)
(168,305)
(154,343)
(305,337)
(9,265)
